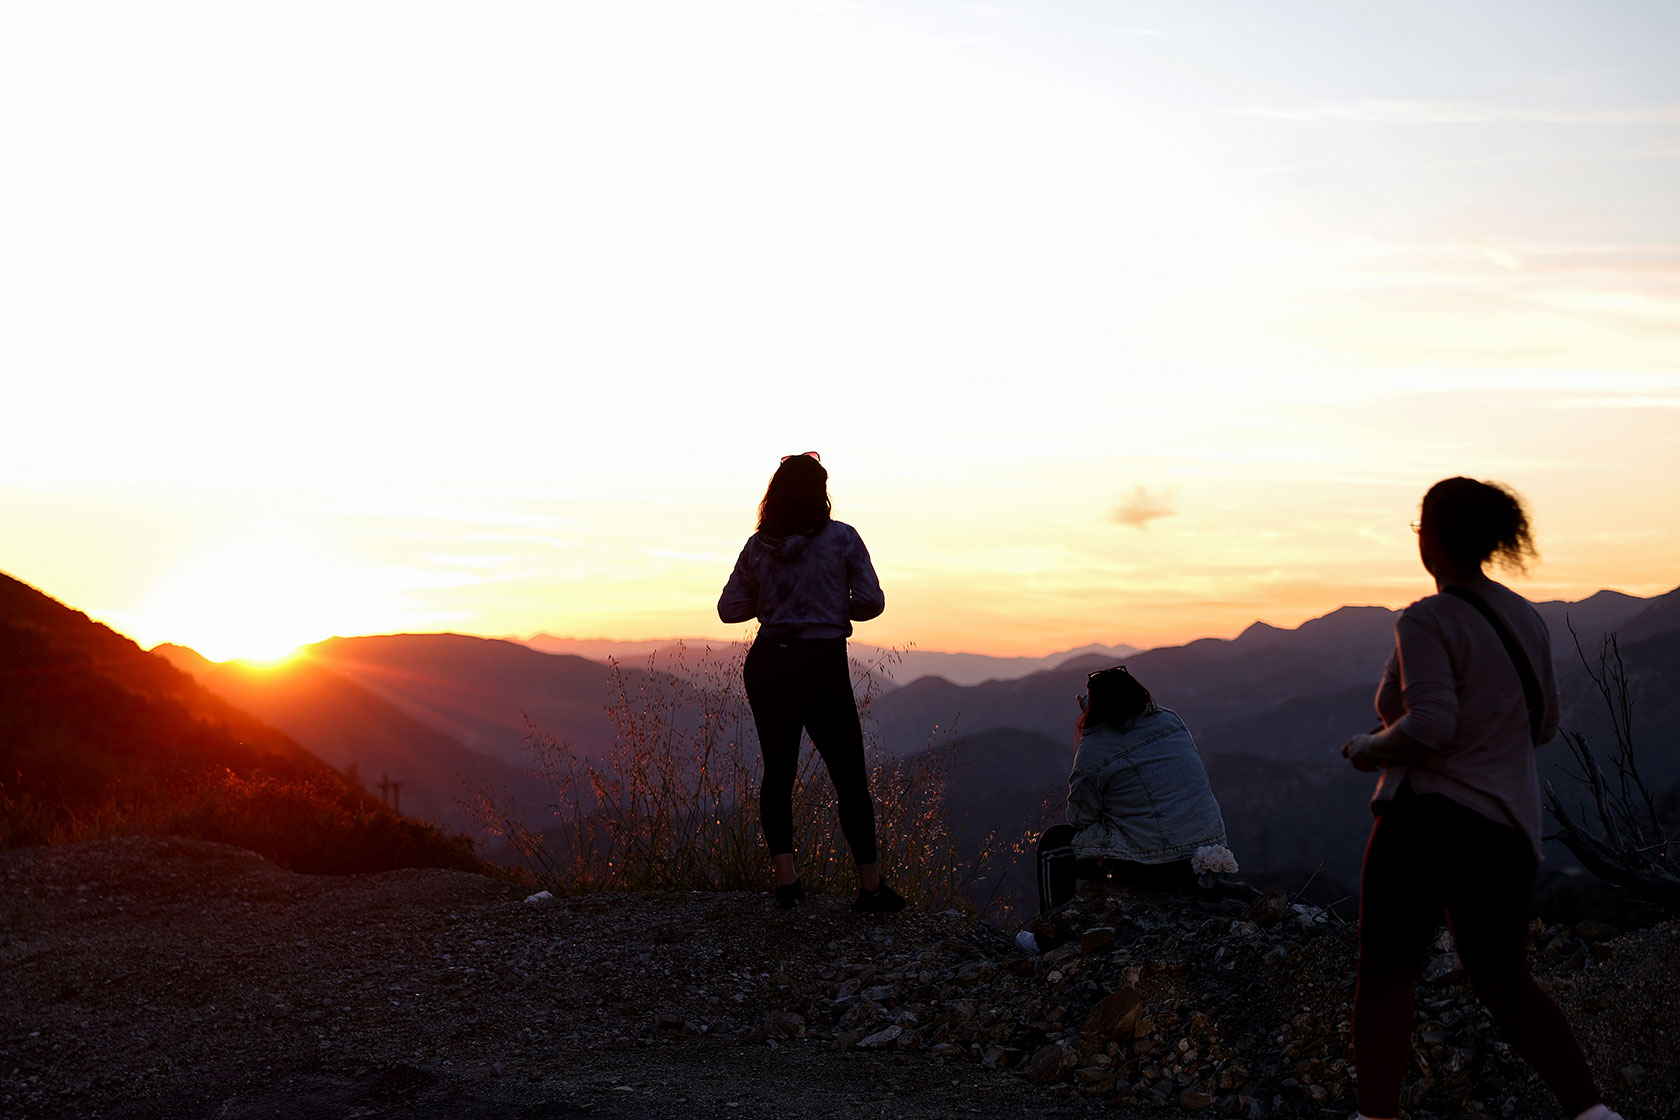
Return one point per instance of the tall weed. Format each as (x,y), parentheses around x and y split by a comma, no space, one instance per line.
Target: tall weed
(674,804)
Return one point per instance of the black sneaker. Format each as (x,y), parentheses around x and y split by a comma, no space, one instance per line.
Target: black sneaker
(789,894)
(882,900)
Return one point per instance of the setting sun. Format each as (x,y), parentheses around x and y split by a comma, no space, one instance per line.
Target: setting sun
(256,601)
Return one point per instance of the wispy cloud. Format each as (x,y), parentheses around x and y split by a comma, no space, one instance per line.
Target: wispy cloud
(1133,31)
(1142,506)
(1439,112)
(1498,256)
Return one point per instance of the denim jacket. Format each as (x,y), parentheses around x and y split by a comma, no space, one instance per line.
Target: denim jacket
(1142,794)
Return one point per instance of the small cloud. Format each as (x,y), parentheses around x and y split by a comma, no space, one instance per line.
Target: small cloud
(1142,506)
(1133,31)
(1498,256)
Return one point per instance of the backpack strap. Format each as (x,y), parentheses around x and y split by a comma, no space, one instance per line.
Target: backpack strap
(1525,671)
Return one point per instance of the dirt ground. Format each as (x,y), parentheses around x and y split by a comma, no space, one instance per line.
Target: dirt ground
(161,978)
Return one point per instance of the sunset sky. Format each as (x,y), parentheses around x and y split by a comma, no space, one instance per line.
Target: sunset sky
(1121,322)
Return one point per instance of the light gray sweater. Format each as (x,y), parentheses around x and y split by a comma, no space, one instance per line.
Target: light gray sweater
(1451,686)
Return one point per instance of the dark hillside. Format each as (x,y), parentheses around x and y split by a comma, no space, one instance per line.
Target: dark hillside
(82,707)
(99,737)
(1657,616)
(349,726)
(475,689)
(52,652)
(1284,819)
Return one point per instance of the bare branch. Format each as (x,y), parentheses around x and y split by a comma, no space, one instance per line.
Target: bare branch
(1631,849)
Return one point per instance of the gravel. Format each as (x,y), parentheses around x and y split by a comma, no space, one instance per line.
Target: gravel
(152,978)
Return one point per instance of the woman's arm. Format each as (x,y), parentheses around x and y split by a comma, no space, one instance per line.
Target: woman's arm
(1429,696)
(865,599)
(739,601)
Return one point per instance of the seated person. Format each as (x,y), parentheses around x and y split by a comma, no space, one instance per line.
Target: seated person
(1139,806)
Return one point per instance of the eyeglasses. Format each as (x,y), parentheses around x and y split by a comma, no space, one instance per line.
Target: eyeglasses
(1417,526)
(803,454)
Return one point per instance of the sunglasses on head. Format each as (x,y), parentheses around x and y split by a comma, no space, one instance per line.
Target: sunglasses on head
(803,454)
(1084,697)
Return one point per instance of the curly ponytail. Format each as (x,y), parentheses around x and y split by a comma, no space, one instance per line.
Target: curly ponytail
(1474,522)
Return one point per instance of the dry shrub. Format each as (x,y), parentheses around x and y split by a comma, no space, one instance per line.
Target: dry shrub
(311,826)
(674,804)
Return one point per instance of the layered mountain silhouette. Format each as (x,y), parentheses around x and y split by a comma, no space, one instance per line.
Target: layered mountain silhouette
(81,707)
(1270,710)
(899,665)
(362,733)
(448,715)
(1215,681)
(98,735)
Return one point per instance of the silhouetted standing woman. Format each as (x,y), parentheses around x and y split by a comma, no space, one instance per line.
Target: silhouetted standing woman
(807,577)
(1467,696)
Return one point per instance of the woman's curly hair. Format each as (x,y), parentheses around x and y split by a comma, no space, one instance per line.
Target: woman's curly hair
(1475,521)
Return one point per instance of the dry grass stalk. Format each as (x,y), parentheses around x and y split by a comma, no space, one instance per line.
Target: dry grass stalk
(674,804)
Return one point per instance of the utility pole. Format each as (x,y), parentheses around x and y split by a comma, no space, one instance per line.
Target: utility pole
(396,796)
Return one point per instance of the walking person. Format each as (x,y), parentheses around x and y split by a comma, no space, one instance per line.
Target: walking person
(807,577)
(1467,696)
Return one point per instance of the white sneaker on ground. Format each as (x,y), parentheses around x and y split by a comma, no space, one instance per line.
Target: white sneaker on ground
(1027,942)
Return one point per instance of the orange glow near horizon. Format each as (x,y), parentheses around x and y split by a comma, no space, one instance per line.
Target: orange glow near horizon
(1098,342)
(256,601)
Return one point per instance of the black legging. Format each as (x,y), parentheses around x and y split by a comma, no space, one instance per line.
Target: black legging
(1430,855)
(796,684)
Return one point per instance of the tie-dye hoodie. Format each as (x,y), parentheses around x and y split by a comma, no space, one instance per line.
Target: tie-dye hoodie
(803,586)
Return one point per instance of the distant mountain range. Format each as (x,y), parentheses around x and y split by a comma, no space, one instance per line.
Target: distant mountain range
(446,713)
(1214,681)
(1269,710)
(901,665)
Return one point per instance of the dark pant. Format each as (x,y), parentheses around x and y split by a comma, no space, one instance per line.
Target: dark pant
(1428,856)
(796,684)
(1060,870)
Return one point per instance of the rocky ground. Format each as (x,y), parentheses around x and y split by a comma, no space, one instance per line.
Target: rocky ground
(150,978)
